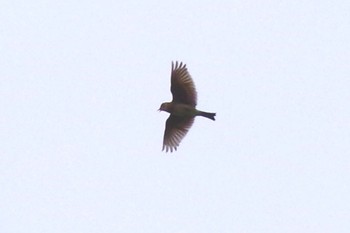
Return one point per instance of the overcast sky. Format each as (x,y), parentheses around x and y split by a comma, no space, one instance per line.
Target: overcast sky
(81,137)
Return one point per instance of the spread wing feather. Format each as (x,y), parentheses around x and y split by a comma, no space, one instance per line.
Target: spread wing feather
(176,129)
(182,85)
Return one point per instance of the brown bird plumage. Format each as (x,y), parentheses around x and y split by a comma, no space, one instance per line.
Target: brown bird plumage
(182,109)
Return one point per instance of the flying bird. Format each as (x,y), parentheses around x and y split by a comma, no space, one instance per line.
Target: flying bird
(182,108)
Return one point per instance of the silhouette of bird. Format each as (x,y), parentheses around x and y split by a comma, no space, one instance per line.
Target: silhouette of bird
(182,108)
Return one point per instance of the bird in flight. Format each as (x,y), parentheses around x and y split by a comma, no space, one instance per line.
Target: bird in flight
(182,108)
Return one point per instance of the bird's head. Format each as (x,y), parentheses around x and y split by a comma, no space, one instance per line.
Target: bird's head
(165,107)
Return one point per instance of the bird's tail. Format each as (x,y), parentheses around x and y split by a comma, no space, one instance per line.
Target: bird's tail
(207,115)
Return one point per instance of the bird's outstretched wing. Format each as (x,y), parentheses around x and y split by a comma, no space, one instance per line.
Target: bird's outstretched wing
(176,129)
(182,85)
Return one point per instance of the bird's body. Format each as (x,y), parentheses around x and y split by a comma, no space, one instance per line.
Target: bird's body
(182,109)
(185,110)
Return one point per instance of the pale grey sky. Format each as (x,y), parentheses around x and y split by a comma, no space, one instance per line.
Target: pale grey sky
(81,138)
